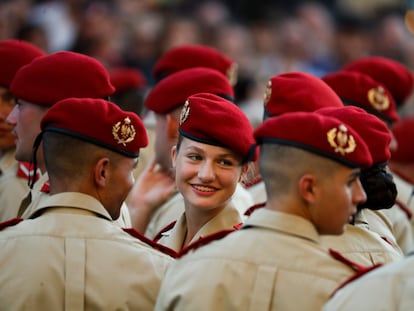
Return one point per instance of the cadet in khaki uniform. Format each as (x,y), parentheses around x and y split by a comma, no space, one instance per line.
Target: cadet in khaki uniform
(154,202)
(209,162)
(13,175)
(38,86)
(310,165)
(70,255)
(359,89)
(387,288)
(285,93)
(359,243)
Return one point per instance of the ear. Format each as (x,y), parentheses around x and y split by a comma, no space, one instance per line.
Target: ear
(245,170)
(174,155)
(307,188)
(101,172)
(172,127)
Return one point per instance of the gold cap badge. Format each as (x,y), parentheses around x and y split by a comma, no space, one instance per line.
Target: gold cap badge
(340,140)
(268,92)
(185,112)
(124,132)
(378,99)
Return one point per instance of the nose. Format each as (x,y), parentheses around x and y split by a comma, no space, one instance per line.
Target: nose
(358,194)
(11,118)
(206,171)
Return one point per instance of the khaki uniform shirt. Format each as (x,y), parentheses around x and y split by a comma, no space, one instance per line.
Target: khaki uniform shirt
(225,220)
(37,196)
(72,257)
(12,187)
(390,287)
(275,262)
(174,207)
(362,246)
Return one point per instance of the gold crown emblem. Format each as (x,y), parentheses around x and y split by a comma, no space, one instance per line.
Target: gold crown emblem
(268,92)
(185,112)
(124,132)
(340,140)
(232,73)
(378,98)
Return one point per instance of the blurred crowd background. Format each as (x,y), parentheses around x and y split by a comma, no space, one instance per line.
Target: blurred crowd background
(265,37)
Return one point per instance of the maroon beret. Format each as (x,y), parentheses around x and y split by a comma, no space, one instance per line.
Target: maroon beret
(297,91)
(212,120)
(174,90)
(359,89)
(99,122)
(126,78)
(60,75)
(372,130)
(404,132)
(323,135)
(188,56)
(396,77)
(13,55)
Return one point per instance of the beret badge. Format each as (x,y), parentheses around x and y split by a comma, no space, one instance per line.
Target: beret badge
(124,132)
(339,139)
(378,98)
(185,112)
(268,92)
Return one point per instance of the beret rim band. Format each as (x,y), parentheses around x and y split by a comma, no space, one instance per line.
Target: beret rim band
(306,147)
(89,139)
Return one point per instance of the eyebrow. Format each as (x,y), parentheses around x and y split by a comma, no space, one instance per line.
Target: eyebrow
(221,155)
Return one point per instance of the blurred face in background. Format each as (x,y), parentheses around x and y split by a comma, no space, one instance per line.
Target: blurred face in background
(7,104)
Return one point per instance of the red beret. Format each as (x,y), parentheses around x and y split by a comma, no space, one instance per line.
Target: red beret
(297,91)
(212,120)
(125,78)
(174,90)
(188,56)
(99,122)
(359,89)
(396,77)
(404,132)
(13,55)
(372,130)
(60,75)
(323,135)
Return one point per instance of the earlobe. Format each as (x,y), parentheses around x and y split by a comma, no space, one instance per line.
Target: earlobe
(307,188)
(101,172)
(173,155)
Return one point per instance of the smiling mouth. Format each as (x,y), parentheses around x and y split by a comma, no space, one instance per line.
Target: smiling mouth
(204,188)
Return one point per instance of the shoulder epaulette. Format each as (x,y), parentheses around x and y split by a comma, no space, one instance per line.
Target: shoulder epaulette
(251,209)
(404,208)
(168,227)
(208,239)
(10,223)
(162,248)
(360,270)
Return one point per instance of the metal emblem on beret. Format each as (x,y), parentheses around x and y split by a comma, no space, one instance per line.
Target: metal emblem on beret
(124,132)
(378,98)
(185,112)
(340,140)
(232,73)
(268,92)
